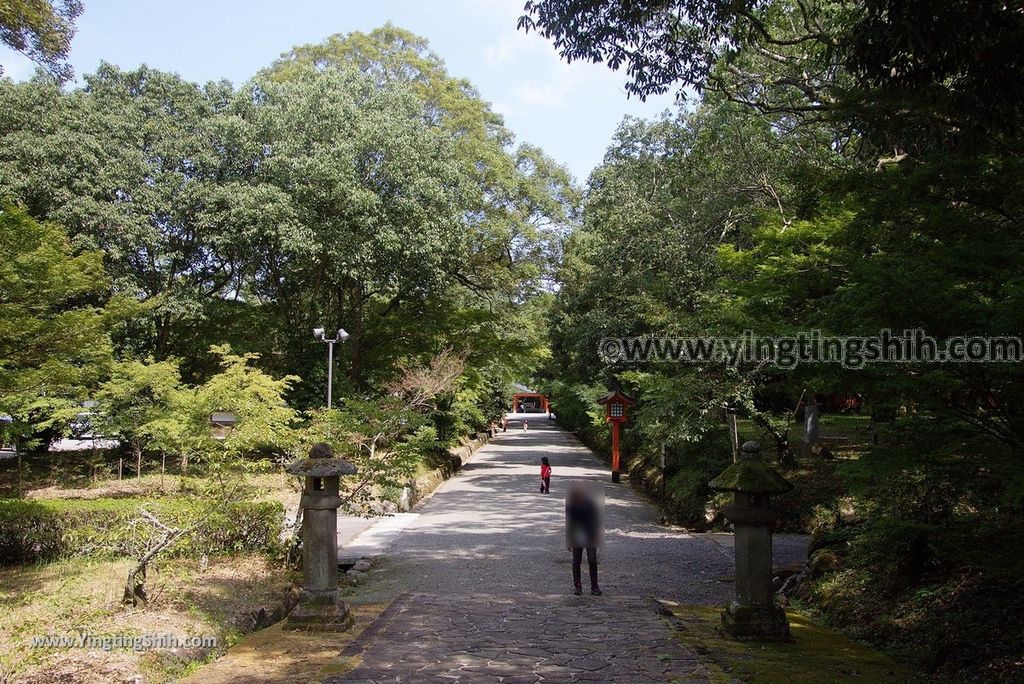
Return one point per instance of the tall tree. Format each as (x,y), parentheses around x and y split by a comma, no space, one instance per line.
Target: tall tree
(516,203)
(131,164)
(56,316)
(42,31)
(369,220)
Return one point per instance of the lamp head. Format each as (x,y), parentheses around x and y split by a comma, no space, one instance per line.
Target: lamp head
(342,335)
(318,333)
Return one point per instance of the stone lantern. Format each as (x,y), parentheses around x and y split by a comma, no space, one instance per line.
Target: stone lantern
(319,607)
(753,614)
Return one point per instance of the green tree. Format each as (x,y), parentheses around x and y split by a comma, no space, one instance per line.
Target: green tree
(513,205)
(132,164)
(352,184)
(264,422)
(134,402)
(56,316)
(42,31)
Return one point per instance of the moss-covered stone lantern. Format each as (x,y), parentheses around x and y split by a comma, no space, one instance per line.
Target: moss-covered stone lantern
(753,614)
(320,608)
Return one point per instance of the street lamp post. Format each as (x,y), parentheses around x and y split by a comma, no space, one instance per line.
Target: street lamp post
(318,333)
(664,472)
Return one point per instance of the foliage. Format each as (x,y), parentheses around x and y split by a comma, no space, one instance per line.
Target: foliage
(37,531)
(947,74)
(135,401)
(385,440)
(352,184)
(41,30)
(388,438)
(262,423)
(843,171)
(56,316)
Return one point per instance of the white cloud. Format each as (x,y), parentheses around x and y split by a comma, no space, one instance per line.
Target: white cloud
(561,80)
(551,94)
(503,108)
(516,45)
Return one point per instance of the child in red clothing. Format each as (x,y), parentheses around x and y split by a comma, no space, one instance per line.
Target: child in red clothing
(545,476)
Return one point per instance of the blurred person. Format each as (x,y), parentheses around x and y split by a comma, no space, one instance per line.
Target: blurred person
(583,531)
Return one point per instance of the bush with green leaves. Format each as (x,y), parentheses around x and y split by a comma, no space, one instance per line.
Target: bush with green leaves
(39,531)
(385,439)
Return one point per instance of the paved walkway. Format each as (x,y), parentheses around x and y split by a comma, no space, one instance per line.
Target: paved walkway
(429,638)
(483,566)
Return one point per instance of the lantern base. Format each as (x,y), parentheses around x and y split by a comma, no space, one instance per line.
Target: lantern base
(319,615)
(756,623)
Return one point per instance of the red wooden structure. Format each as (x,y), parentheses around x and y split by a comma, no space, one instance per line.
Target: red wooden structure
(615,404)
(518,397)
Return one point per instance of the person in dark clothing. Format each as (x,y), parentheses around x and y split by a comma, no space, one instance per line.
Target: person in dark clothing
(582,531)
(545,476)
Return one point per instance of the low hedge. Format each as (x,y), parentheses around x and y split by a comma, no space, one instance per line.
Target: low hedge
(39,531)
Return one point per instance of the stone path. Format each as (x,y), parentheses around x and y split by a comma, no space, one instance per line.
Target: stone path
(428,638)
(484,566)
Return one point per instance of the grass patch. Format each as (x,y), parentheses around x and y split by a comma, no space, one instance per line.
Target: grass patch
(69,597)
(278,656)
(50,529)
(816,655)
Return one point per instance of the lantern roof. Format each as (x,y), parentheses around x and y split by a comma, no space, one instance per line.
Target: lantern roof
(751,475)
(321,463)
(616,398)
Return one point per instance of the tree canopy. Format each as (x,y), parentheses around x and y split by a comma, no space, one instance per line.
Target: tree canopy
(42,31)
(351,184)
(56,318)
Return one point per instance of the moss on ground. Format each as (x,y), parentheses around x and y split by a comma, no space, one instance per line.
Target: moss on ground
(815,655)
(278,656)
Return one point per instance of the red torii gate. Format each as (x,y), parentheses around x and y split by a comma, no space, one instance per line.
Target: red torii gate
(519,396)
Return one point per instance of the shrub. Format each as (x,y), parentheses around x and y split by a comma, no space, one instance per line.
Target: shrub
(692,466)
(38,531)
(577,410)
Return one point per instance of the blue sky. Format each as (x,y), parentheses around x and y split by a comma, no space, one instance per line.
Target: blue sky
(569,110)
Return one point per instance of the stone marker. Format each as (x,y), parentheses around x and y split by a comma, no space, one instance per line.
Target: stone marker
(753,614)
(812,434)
(320,608)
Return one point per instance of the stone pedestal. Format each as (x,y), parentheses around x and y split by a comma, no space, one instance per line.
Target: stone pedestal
(765,622)
(320,608)
(753,614)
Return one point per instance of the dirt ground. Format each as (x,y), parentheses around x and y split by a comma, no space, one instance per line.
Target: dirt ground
(72,598)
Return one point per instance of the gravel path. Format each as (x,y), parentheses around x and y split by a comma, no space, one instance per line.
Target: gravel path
(429,638)
(489,531)
(479,584)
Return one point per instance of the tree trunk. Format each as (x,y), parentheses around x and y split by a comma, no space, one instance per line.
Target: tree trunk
(17,453)
(734,435)
(134,588)
(138,463)
(163,467)
(355,341)
(783,451)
